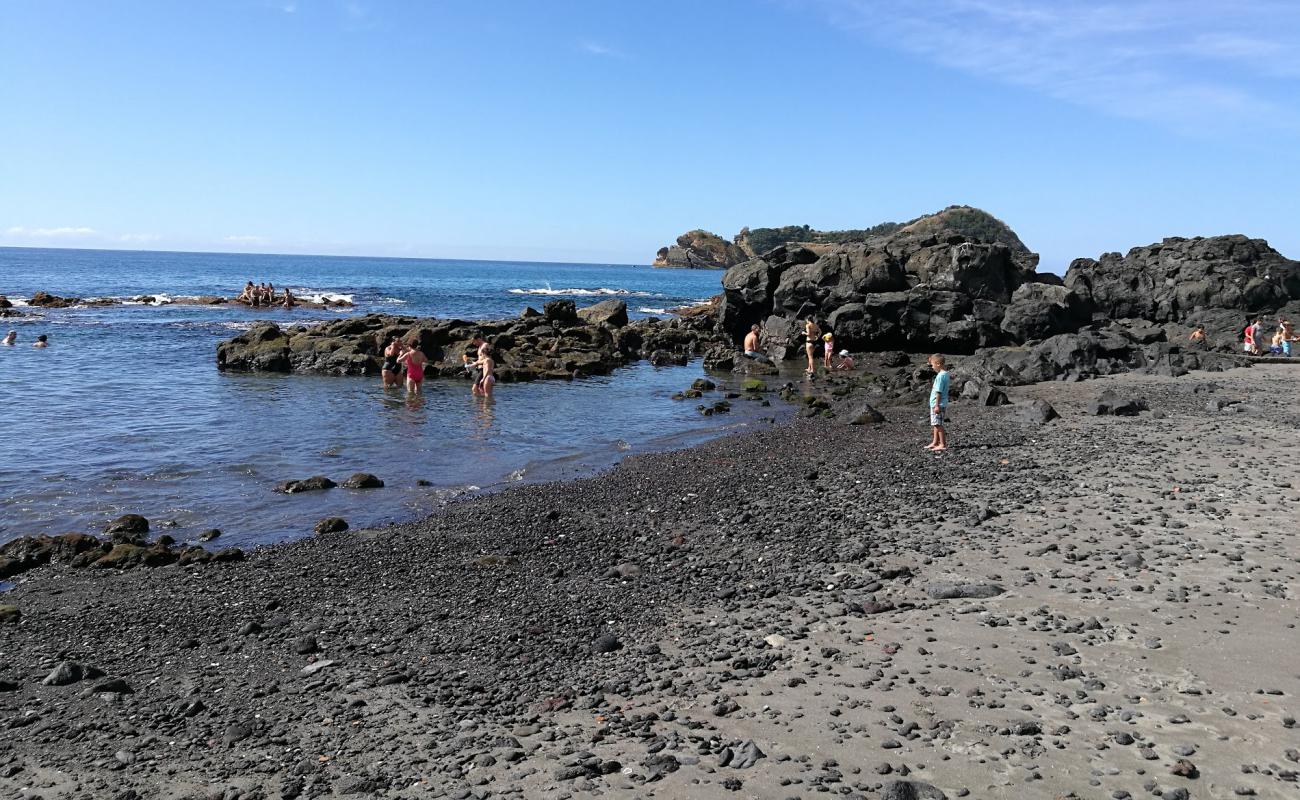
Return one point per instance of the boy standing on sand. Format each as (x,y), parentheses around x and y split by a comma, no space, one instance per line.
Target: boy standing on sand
(938,404)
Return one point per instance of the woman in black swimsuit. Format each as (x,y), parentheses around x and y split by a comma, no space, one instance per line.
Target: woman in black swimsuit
(392,371)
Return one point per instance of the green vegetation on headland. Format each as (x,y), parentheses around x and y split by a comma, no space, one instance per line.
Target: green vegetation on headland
(700,249)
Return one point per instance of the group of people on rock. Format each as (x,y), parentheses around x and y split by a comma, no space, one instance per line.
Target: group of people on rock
(1252,337)
(11,339)
(263,294)
(405,356)
(813,335)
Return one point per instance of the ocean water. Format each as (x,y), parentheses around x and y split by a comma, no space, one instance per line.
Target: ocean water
(126,412)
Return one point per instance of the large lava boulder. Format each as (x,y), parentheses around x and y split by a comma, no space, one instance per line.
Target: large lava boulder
(1040,310)
(606,312)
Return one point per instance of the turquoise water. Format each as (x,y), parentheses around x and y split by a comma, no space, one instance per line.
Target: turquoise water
(126,411)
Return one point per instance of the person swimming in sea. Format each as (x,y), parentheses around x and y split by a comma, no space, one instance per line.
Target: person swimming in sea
(42,341)
(10,338)
(414,360)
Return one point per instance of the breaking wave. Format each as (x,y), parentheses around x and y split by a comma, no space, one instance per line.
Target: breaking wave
(598,292)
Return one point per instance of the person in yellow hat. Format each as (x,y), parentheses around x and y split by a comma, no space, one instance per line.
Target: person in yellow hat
(828,349)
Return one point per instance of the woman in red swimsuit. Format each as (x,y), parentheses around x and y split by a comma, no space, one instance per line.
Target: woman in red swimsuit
(415,361)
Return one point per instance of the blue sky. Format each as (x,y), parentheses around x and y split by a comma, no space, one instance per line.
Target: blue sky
(598,131)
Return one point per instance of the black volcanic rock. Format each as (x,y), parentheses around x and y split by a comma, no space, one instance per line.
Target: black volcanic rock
(1168,281)
(907,290)
(1040,310)
(558,344)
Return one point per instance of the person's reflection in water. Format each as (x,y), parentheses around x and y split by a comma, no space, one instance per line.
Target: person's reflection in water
(484,416)
(415,401)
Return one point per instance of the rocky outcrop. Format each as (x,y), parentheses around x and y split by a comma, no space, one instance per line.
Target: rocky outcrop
(904,291)
(751,243)
(80,550)
(562,342)
(1172,280)
(699,249)
(915,291)
(1088,354)
(46,300)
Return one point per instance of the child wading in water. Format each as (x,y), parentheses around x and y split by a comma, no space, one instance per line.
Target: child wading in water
(938,404)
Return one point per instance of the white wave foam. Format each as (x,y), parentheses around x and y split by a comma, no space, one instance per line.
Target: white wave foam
(397,300)
(579,292)
(316,296)
(18,302)
(158,300)
(648,310)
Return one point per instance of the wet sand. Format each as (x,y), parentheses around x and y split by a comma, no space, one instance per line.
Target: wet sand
(1097,607)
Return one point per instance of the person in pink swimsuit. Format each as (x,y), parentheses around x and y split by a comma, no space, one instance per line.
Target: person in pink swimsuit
(414,360)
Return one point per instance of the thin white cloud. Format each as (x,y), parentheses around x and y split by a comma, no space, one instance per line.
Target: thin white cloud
(66,232)
(139,238)
(1195,65)
(245,239)
(598,49)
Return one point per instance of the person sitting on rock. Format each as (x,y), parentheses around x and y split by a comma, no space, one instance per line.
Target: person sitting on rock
(845,362)
(246,296)
(289,299)
(1197,336)
(752,344)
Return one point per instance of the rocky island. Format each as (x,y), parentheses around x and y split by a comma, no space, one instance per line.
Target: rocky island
(701,249)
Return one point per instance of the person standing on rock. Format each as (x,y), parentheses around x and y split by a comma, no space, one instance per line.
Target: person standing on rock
(938,404)
(828,349)
(812,335)
(414,360)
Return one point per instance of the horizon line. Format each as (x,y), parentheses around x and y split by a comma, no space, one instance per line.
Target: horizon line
(325,255)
